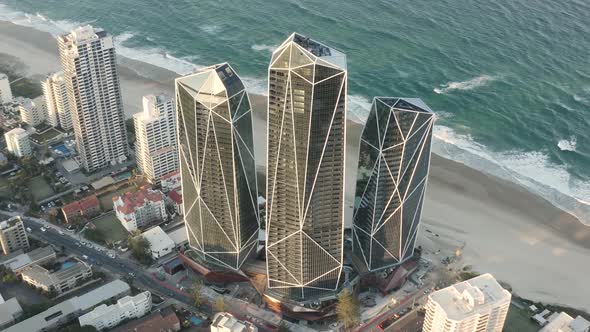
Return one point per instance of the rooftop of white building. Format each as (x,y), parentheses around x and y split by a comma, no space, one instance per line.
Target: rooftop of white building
(17,131)
(562,322)
(104,309)
(71,306)
(158,239)
(463,299)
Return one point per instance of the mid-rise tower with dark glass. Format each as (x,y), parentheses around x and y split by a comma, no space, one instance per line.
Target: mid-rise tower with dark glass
(394,160)
(217,166)
(307,86)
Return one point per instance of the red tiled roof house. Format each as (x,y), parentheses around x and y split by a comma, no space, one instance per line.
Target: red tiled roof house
(87,207)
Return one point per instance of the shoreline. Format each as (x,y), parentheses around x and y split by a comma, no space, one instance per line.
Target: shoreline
(504,229)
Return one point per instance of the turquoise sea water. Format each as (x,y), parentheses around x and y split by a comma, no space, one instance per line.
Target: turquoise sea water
(509,79)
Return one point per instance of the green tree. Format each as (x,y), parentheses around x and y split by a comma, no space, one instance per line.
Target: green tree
(95,235)
(140,249)
(348,310)
(196,293)
(283,327)
(219,305)
(6,275)
(45,150)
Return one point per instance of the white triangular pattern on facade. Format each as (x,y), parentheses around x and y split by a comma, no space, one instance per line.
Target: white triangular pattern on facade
(220,232)
(407,147)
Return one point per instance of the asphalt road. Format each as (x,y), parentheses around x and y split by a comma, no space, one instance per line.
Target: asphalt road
(142,279)
(416,296)
(122,267)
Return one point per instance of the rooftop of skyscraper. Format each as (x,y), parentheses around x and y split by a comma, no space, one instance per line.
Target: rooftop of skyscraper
(320,50)
(411,104)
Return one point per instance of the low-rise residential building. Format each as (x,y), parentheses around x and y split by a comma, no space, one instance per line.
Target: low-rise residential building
(164,320)
(160,243)
(67,311)
(180,237)
(226,322)
(138,209)
(32,112)
(87,207)
(108,316)
(478,304)
(156,148)
(10,312)
(19,260)
(13,235)
(562,322)
(170,181)
(18,142)
(175,201)
(70,275)
(5,91)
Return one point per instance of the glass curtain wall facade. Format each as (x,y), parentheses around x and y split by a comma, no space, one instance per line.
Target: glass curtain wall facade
(217,166)
(305,168)
(391,180)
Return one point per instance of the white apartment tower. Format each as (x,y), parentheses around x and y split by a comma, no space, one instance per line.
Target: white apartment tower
(94,94)
(32,112)
(476,305)
(56,101)
(18,142)
(13,235)
(156,148)
(5,91)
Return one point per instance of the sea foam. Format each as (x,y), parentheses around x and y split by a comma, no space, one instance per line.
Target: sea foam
(465,85)
(530,169)
(533,170)
(263,47)
(568,145)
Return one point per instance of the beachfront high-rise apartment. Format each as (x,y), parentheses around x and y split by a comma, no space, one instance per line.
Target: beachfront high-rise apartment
(32,112)
(5,91)
(476,305)
(13,235)
(307,84)
(156,150)
(394,159)
(90,71)
(56,101)
(217,166)
(18,142)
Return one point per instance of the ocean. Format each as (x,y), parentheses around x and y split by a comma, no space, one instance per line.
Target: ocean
(509,79)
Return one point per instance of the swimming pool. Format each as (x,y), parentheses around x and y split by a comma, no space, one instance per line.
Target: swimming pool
(62,149)
(122,176)
(67,264)
(196,321)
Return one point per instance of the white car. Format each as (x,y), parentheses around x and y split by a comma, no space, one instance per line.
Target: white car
(61,233)
(43,229)
(29,230)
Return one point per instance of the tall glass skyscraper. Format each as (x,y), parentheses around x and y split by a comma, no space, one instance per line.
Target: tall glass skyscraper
(305,168)
(391,181)
(217,166)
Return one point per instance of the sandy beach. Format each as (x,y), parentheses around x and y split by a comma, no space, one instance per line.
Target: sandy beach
(541,251)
